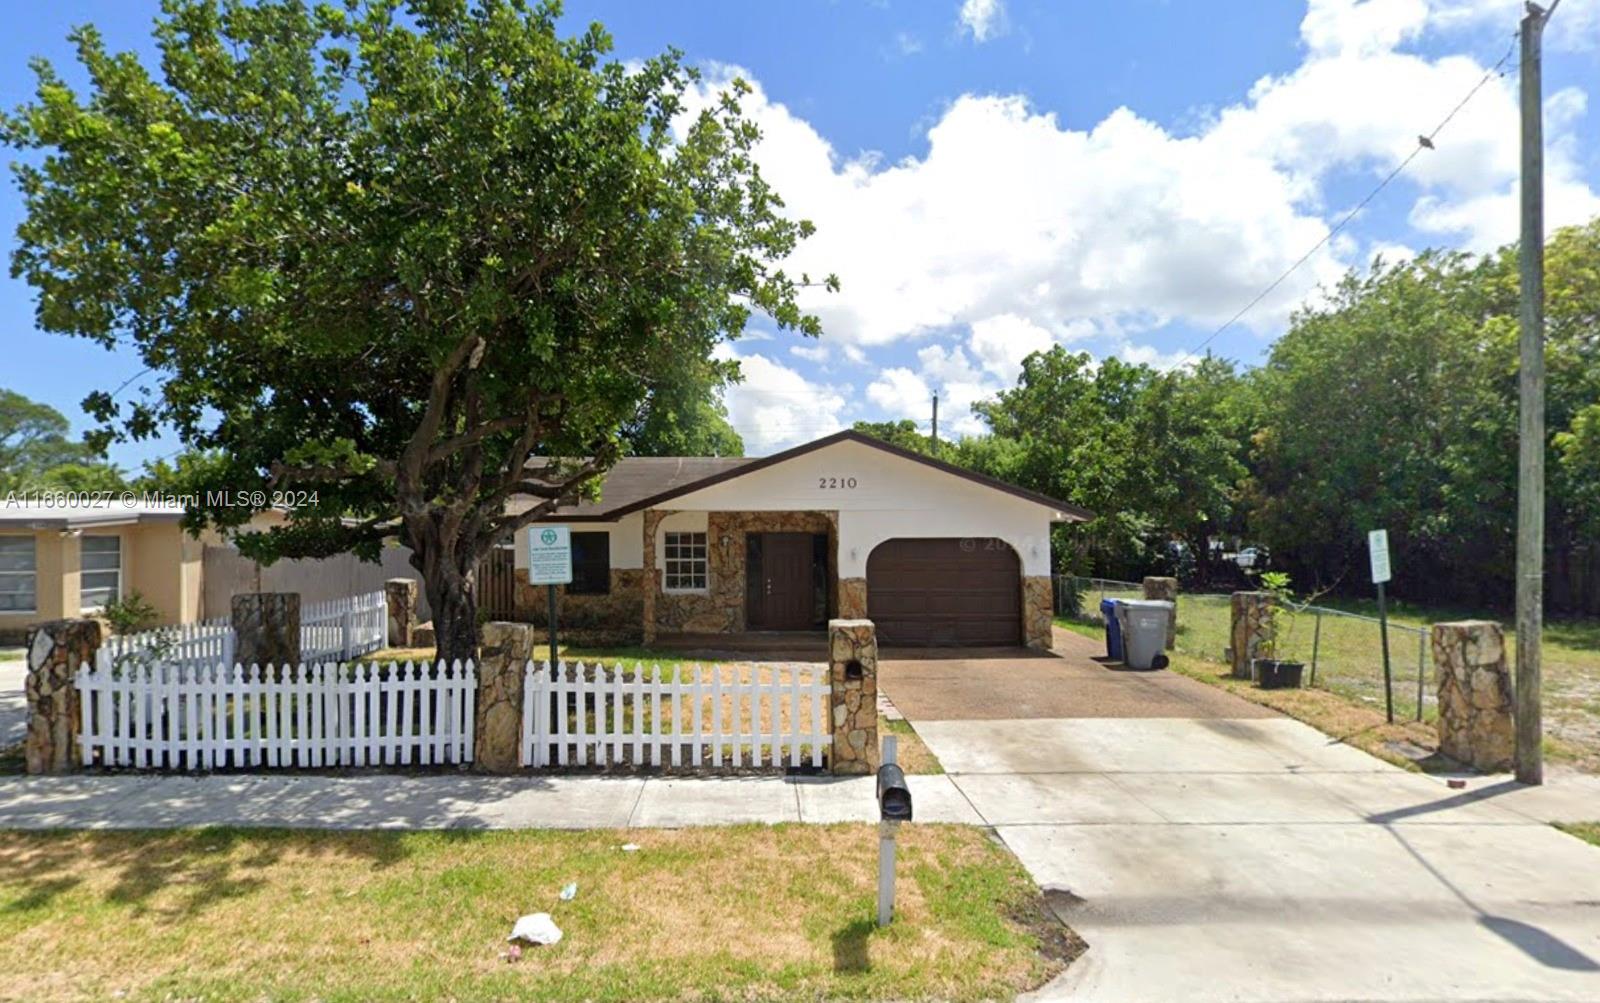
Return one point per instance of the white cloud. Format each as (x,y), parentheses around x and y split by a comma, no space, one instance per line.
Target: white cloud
(982,19)
(1001,343)
(811,353)
(1124,225)
(775,407)
(900,393)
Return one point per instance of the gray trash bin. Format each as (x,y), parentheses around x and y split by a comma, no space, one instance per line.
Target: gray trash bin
(1144,632)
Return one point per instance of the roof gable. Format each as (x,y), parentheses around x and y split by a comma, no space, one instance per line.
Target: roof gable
(713,471)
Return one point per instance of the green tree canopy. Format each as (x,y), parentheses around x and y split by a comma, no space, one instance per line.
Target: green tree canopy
(36,453)
(384,253)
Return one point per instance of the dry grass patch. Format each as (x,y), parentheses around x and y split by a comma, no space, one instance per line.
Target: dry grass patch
(1587,831)
(744,913)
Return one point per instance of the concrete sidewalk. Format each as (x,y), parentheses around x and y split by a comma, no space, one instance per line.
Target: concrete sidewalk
(454,801)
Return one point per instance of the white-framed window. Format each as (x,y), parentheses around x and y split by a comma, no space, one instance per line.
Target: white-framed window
(100,576)
(19,575)
(684,561)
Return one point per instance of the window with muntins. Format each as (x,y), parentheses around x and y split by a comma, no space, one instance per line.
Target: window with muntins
(18,575)
(591,564)
(684,561)
(100,577)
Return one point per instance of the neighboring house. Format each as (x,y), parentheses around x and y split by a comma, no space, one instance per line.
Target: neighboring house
(58,562)
(846,526)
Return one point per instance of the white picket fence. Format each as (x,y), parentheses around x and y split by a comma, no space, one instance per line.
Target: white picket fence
(193,645)
(333,630)
(344,628)
(170,716)
(717,716)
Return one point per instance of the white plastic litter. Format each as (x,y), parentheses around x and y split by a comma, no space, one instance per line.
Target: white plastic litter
(536,928)
(570,892)
(629,847)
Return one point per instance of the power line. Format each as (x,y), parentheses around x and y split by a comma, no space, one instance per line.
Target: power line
(1424,142)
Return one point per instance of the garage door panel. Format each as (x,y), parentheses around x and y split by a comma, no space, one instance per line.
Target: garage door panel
(945,591)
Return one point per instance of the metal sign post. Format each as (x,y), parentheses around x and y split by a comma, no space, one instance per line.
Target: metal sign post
(550,564)
(1378,553)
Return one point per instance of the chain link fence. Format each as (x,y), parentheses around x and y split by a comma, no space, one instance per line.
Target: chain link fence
(1342,651)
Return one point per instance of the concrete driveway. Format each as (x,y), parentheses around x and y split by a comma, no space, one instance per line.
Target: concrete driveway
(1220,853)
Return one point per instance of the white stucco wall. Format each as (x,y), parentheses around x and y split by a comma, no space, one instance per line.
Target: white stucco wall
(627,540)
(880,496)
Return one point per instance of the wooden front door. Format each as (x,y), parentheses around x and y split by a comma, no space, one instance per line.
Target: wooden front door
(785,598)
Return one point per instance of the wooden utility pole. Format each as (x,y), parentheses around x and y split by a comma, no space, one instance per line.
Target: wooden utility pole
(935,424)
(1530,431)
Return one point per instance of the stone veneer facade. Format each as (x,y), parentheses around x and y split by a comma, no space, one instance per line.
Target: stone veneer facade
(55,651)
(1165,590)
(615,617)
(853,696)
(1252,630)
(497,730)
(639,609)
(722,608)
(1037,620)
(1476,705)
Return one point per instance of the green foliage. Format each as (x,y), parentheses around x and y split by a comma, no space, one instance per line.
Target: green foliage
(1395,405)
(683,414)
(1156,456)
(36,455)
(388,252)
(901,433)
(130,614)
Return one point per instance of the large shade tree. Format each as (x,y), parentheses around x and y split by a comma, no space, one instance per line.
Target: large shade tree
(383,253)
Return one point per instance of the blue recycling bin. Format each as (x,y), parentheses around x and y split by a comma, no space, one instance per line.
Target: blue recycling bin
(1108,613)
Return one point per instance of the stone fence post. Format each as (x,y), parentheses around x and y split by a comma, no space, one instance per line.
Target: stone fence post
(1476,707)
(1166,590)
(55,650)
(266,628)
(853,702)
(503,656)
(401,596)
(1252,629)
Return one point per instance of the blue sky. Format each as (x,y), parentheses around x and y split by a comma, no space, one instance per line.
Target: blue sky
(994,176)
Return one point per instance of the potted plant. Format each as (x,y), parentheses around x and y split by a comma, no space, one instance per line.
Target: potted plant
(1280,668)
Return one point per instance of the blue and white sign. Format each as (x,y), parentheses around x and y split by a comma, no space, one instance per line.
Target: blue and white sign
(549,555)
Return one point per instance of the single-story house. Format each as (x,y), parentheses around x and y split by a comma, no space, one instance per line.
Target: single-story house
(58,562)
(845,526)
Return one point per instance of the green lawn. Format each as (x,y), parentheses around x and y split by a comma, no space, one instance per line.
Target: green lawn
(746,913)
(1589,831)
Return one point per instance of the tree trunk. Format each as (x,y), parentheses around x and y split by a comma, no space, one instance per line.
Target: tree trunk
(449,576)
(455,619)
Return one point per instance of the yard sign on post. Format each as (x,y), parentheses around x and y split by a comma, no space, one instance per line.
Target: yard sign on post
(550,564)
(1378,552)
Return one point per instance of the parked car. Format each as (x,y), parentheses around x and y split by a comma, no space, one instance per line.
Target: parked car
(1251,557)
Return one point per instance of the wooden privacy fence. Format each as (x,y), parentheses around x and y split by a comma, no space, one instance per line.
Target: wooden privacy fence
(173,717)
(716,716)
(497,583)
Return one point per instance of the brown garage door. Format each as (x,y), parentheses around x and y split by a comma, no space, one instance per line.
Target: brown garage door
(958,591)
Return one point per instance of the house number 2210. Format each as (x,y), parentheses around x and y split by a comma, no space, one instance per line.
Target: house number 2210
(835,483)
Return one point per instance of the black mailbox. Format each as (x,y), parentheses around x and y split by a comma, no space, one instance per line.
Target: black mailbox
(894,797)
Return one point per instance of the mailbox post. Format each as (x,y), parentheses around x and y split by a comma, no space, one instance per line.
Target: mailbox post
(894,807)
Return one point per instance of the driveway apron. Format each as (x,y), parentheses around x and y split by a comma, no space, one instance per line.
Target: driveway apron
(1209,849)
